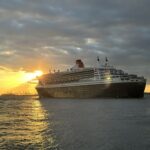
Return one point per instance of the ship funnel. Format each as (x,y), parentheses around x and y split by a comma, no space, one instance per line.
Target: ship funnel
(79,63)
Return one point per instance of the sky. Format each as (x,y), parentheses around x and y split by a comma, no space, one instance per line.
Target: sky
(43,34)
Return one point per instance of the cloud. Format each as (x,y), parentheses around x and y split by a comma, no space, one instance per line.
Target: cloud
(45,33)
(4,69)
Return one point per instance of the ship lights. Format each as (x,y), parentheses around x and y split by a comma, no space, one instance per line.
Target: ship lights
(108,78)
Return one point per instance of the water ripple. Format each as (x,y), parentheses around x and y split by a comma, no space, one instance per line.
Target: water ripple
(27,123)
(24,125)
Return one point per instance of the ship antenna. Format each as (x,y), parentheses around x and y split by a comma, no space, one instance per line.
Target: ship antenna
(97,70)
(106,60)
(98,58)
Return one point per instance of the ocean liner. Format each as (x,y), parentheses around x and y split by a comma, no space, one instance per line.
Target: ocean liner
(91,82)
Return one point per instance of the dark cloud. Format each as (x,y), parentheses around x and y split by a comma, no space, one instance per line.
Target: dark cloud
(59,31)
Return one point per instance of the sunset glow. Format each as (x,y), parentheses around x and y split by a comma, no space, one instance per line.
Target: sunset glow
(12,79)
(147,89)
(32,75)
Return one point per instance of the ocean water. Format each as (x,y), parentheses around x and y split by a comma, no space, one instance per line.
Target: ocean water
(74,124)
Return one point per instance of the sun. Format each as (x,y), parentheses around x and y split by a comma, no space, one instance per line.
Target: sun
(33,75)
(38,73)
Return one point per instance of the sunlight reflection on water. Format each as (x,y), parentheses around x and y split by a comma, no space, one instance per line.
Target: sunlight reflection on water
(27,123)
(24,125)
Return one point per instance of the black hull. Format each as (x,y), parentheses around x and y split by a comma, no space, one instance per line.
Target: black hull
(113,90)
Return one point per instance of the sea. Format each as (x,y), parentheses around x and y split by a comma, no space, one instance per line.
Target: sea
(30,123)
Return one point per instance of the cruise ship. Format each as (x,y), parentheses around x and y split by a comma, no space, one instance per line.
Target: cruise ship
(91,82)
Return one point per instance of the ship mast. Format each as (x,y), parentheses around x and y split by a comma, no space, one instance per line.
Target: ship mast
(106,61)
(97,70)
(98,61)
